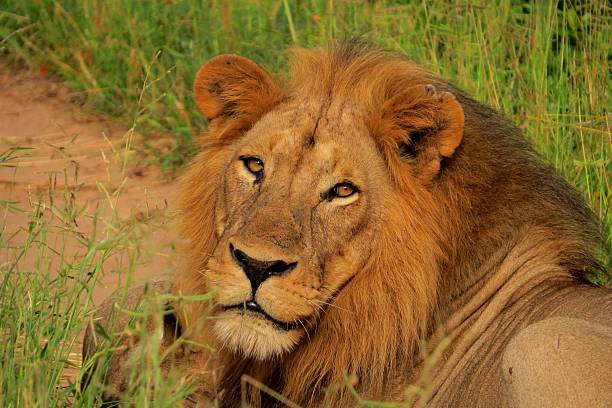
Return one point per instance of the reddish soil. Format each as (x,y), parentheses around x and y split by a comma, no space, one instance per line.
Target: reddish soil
(82,155)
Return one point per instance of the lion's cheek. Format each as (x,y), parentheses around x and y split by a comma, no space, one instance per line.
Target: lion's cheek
(229,289)
(286,303)
(341,268)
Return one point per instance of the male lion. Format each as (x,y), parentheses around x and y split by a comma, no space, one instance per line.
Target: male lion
(371,226)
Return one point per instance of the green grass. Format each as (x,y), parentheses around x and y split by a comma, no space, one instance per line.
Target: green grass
(544,64)
(46,297)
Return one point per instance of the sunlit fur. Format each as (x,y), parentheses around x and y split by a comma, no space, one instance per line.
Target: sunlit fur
(261,339)
(440,216)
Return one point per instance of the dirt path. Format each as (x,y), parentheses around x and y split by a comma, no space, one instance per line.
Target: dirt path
(84,154)
(79,161)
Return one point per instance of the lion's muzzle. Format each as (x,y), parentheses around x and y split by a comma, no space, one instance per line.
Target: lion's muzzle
(252,307)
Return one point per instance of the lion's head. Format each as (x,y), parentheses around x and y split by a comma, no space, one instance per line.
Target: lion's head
(313,193)
(328,215)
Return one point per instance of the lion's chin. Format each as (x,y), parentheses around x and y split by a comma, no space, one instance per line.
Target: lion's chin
(254,336)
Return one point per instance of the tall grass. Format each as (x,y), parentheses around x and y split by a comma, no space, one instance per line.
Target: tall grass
(543,63)
(46,297)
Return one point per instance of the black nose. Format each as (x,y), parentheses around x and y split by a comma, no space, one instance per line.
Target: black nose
(258,271)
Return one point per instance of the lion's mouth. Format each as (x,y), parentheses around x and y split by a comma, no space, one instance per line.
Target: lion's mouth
(252,306)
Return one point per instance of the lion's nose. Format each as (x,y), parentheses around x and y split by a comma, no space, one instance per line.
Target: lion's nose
(258,271)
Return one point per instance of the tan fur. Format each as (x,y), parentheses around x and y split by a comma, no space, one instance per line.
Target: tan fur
(546,360)
(457,231)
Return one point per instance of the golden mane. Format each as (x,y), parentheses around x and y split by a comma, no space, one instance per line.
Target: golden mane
(405,288)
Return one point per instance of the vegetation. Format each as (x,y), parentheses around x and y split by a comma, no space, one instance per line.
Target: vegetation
(543,63)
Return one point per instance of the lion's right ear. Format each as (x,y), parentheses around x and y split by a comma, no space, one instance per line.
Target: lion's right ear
(231,87)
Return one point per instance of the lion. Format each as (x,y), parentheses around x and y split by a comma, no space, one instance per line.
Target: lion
(369,229)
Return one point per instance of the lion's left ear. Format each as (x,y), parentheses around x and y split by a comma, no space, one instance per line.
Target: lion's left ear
(425,126)
(230,87)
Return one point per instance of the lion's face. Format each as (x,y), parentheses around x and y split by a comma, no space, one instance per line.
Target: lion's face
(302,202)
(295,219)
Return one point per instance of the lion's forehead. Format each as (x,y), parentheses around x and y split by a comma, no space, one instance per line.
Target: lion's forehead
(299,127)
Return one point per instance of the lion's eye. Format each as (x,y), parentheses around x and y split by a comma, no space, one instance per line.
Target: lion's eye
(343,190)
(254,165)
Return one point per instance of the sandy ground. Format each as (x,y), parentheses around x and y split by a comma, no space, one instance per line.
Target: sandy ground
(81,157)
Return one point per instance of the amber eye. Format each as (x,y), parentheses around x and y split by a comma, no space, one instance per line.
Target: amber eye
(254,165)
(343,190)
